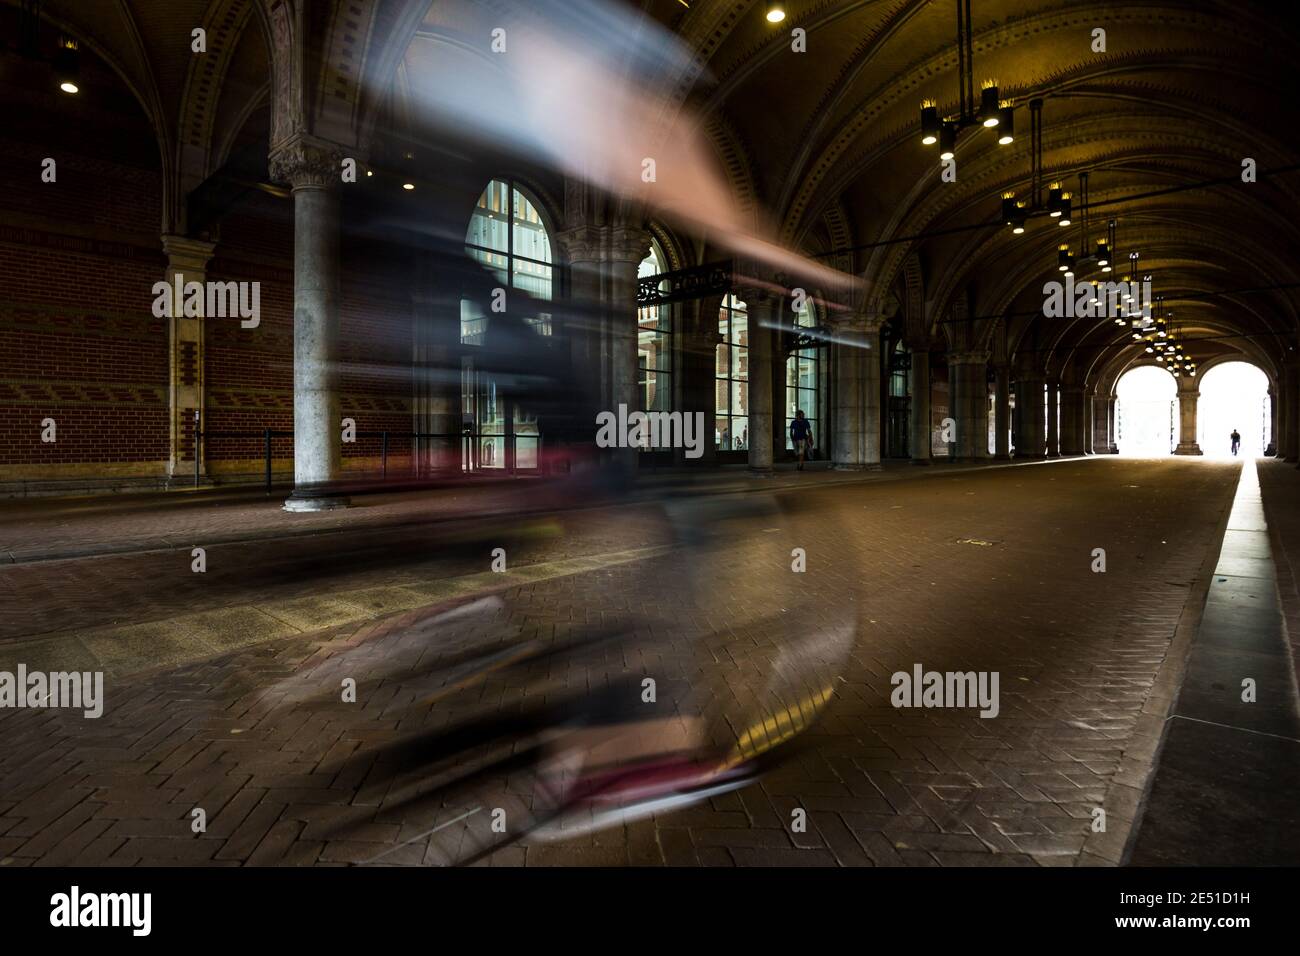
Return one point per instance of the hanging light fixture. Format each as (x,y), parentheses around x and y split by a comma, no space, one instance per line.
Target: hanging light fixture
(989,104)
(1065,259)
(930,122)
(1006,123)
(67,65)
(947,140)
(1054,205)
(988,112)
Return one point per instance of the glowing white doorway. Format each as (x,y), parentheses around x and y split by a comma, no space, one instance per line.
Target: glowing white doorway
(1146,415)
(1234,396)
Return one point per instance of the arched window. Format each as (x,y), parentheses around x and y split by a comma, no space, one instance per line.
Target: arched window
(803,380)
(731,376)
(654,343)
(506,233)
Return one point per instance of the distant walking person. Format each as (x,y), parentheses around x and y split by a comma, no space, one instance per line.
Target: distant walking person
(801,436)
(1236,441)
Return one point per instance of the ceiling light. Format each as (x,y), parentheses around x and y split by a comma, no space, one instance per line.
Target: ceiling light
(1006,123)
(947,140)
(1054,207)
(930,122)
(775,14)
(989,103)
(408,186)
(67,65)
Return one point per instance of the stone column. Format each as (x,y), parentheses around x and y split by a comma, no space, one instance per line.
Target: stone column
(870,327)
(1282,414)
(1030,438)
(312,167)
(1111,428)
(1002,414)
(1100,434)
(628,246)
(603,265)
(762,316)
(920,408)
(1271,450)
(1187,444)
(1290,423)
(1053,420)
(1085,422)
(968,384)
(849,348)
(1072,418)
(187,261)
(437,405)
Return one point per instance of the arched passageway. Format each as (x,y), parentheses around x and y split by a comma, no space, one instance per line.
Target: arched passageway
(1234,397)
(1146,415)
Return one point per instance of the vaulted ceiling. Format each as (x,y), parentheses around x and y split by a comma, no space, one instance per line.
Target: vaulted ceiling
(827,141)
(1183,92)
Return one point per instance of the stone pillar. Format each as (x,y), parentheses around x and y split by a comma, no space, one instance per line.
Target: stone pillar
(1085,422)
(1111,427)
(850,366)
(603,265)
(627,248)
(1072,421)
(1031,435)
(762,317)
(1002,413)
(312,167)
(869,327)
(920,408)
(437,405)
(1271,450)
(1100,434)
(1187,444)
(968,383)
(187,261)
(1053,420)
(1290,445)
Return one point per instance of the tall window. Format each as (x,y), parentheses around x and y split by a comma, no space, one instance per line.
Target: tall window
(654,343)
(507,235)
(731,377)
(803,378)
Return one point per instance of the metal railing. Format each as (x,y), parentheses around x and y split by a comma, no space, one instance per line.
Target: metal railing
(468,439)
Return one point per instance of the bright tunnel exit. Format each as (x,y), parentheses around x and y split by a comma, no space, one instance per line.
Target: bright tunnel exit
(1234,397)
(1146,415)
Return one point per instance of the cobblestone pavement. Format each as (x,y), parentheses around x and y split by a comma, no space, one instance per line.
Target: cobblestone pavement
(983,570)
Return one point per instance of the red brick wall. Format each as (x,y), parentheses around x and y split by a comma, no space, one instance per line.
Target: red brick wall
(78,342)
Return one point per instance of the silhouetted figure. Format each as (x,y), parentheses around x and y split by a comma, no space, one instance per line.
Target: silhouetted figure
(1236,441)
(801,436)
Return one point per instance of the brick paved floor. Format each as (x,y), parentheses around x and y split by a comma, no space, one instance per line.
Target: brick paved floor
(984,570)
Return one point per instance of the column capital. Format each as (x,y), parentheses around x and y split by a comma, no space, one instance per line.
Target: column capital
(968,358)
(307,162)
(604,243)
(863,323)
(580,243)
(759,297)
(186,254)
(628,244)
